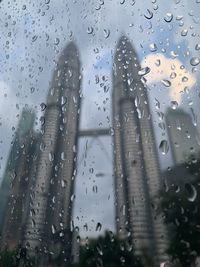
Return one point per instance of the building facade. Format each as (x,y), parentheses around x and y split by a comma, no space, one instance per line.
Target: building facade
(17,182)
(183,136)
(137,175)
(49,221)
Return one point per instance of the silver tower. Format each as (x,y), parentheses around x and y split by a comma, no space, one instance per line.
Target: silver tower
(51,207)
(136,164)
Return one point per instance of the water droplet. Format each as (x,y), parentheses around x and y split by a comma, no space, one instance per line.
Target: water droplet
(194,61)
(91,170)
(72,197)
(164,147)
(197,47)
(191,192)
(97,79)
(85,227)
(98,226)
(106,33)
(174,105)
(184,79)
(51,156)
(34,38)
(95,189)
(144,71)
(33,223)
(90,30)
(153,47)
(99,249)
(53,229)
(148,14)
(47,2)
(122,2)
(43,106)
(168,17)
(184,32)
(56,41)
(173,75)
(166,83)
(63,100)
(63,156)
(157,63)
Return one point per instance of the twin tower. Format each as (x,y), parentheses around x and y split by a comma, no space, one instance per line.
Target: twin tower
(136,167)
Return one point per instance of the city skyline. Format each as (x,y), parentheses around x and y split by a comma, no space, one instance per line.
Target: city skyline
(132,124)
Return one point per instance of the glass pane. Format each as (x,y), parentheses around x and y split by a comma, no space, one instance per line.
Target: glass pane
(100,145)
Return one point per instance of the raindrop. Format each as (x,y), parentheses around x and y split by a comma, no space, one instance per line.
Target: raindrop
(184,32)
(174,105)
(51,156)
(153,47)
(184,79)
(144,71)
(43,106)
(95,189)
(57,41)
(63,156)
(106,33)
(90,30)
(191,192)
(122,2)
(72,197)
(91,170)
(166,83)
(42,120)
(34,38)
(63,100)
(63,183)
(197,47)
(53,229)
(157,103)
(157,63)
(33,223)
(47,1)
(98,7)
(99,249)
(168,17)
(98,226)
(164,147)
(194,61)
(85,227)
(97,79)
(173,75)
(148,14)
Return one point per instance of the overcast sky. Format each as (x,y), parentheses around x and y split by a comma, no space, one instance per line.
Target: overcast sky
(33,34)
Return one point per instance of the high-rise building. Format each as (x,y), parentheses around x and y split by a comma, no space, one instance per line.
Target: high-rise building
(17,182)
(183,136)
(137,175)
(48,227)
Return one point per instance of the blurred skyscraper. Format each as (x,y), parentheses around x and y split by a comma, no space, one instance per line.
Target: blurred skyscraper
(17,182)
(183,136)
(137,174)
(48,227)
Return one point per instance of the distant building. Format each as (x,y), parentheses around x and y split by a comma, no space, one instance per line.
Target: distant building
(17,182)
(137,175)
(48,227)
(183,136)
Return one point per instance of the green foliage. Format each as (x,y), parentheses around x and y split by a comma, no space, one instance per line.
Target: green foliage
(180,205)
(16,258)
(108,251)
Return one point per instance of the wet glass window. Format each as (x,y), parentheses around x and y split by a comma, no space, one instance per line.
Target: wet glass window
(100,133)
